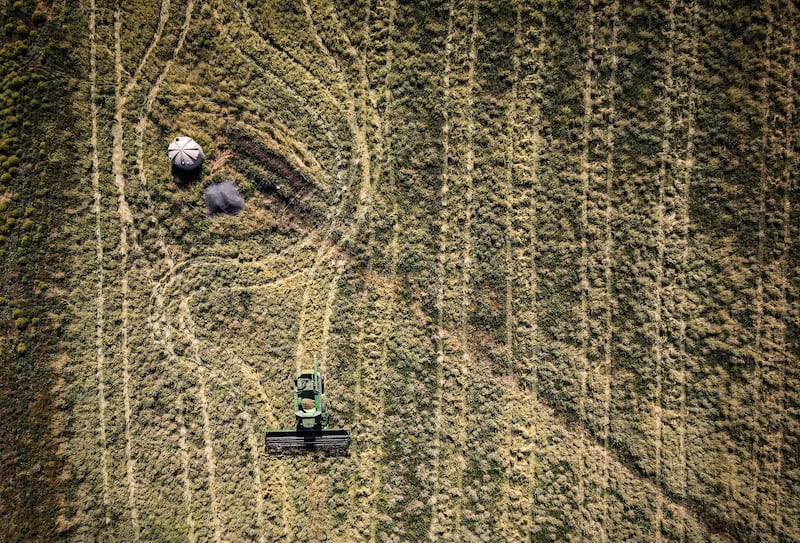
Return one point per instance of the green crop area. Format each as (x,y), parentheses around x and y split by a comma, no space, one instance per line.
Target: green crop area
(547,255)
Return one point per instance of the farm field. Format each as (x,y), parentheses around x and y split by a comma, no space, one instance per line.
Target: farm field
(547,255)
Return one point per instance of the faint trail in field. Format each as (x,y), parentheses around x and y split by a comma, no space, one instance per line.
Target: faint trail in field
(98,233)
(185,475)
(324,252)
(510,173)
(161,334)
(370,394)
(255,451)
(658,272)
(370,108)
(773,301)
(145,112)
(452,379)
(185,26)
(208,448)
(523,150)
(608,246)
(370,385)
(317,517)
(162,21)
(687,167)
(518,520)
(759,298)
(126,221)
(512,128)
(509,530)
(235,363)
(330,306)
(173,289)
(391,8)
(277,476)
(440,272)
(785,267)
(268,43)
(585,174)
(359,138)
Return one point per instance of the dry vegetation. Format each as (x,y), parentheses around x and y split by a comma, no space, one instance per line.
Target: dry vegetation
(546,252)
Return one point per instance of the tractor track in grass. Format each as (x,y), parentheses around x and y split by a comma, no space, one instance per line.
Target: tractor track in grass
(146,110)
(127,226)
(597,174)
(658,294)
(683,179)
(785,267)
(265,42)
(125,222)
(208,443)
(670,299)
(264,415)
(373,346)
(306,308)
(510,324)
(608,246)
(351,115)
(255,450)
(162,21)
(186,470)
(387,61)
(330,303)
(455,288)
(286,80)
(585,177)
(759,298)
(195,364)
(767,491)
(98,235)
(523,150)
(275,483)
(369,399)
(368,105)
(687,166)
(440,272)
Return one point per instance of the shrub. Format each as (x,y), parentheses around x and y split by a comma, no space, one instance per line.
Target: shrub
(39,17)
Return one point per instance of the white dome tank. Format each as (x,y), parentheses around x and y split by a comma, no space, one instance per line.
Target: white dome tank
(185,153)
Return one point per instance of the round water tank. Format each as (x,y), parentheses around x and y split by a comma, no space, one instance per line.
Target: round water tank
(185,153)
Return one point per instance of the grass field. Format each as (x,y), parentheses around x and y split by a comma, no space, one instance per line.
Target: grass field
(546,254)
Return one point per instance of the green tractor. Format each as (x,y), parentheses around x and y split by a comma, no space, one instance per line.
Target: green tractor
(311,416)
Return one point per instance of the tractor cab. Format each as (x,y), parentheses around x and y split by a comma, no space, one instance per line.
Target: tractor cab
(311,416)
(309,406)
